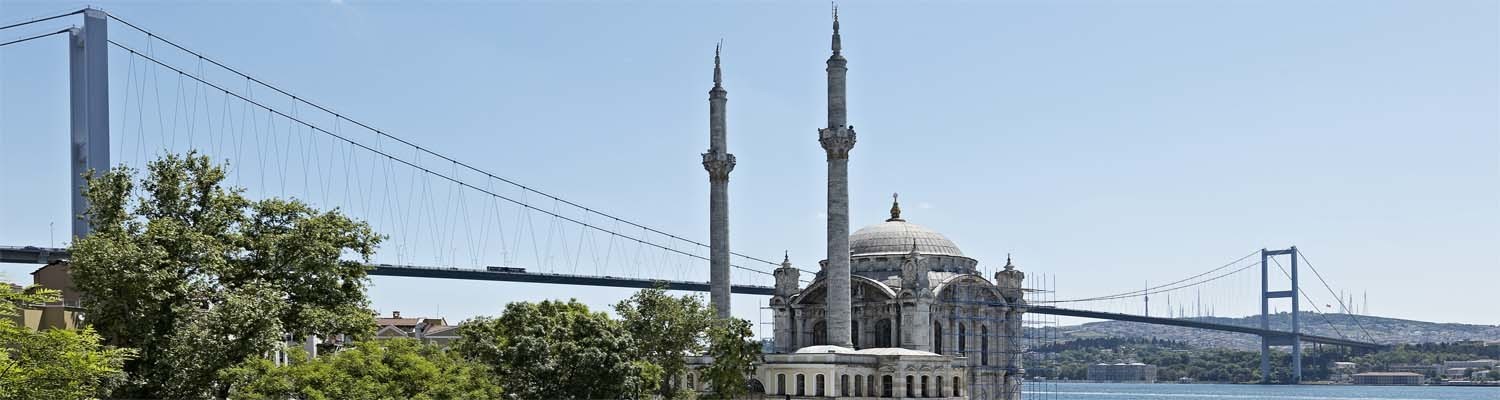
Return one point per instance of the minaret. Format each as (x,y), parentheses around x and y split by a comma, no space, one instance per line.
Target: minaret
(718,162)
(837,139)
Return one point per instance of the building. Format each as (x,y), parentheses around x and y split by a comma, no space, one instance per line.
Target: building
(1343,371)
(1388,378)
(1122,372)
(1428,370)
(426,330)
(1477,364)
(895,310)
(66,313)
(832,371)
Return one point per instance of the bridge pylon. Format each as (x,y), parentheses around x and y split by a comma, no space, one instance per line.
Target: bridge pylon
(1266,294)
(88,60)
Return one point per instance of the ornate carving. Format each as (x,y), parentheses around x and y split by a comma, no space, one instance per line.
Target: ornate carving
(837,141)
(719,164)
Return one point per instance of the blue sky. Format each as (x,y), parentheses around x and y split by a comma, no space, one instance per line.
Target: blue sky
(1106,144)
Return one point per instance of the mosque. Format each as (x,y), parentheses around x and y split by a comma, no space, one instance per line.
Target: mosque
(896,310)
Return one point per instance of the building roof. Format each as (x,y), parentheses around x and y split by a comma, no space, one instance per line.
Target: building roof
(897,236)
(823,349)
(397,321)
(895,351)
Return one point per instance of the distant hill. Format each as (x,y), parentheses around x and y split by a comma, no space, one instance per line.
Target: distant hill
(1382,330)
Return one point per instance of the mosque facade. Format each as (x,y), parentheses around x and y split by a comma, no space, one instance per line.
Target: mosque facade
(896,310)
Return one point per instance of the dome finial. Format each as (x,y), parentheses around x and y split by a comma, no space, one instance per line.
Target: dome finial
(895,208)
(1008,265)
(786,258)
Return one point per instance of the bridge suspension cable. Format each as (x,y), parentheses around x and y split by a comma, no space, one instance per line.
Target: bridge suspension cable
(414,165)
(33,37)
(1336,297)
(41,19)
(1304,295)
(1172,285)
(339,116)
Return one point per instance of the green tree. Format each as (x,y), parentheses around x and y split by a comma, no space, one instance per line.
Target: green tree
(53,363)
(555,350)
(734,353)
(665,329)
(376,369)
(199,278)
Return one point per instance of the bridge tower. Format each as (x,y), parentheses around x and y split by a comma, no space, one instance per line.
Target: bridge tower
(1295,338)
(88,61)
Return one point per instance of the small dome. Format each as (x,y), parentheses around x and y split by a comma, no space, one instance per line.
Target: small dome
(896,236)
(823,349)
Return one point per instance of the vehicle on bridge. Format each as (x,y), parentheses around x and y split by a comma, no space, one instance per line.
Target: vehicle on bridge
(512,270)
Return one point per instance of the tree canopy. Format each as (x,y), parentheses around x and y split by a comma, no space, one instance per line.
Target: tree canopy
(376,369)
(557,350)
(199,278)
(734,352)
(665,328)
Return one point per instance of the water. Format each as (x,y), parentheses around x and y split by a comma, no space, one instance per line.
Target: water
(1133,391)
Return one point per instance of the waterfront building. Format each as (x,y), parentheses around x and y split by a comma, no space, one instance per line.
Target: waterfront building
(1388,378)
(1480,364)
(896,310)
(1122,372)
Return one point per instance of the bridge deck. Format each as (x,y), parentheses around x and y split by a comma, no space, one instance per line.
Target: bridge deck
(1275,335)
(41,255)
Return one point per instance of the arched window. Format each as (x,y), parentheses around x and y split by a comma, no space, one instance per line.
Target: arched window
(924,385)
(780,384)
(886,386)
(843,385)
(820,333)
(911,386)
(801,385)
(883,333)
(963,339)
(819,389)
(937,337)
(870,385)
(984,345)
(937,386)
(690,384)
(859,385)
(958,390)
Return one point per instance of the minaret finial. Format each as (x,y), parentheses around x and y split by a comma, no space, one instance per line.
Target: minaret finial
(836,45)
(1008,265)
(786,257)
(718,76)
(895,208)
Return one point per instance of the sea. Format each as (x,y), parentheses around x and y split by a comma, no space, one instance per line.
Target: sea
(1169,391)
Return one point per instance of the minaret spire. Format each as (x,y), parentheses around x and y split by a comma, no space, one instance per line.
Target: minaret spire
(718,75)
(718,162)
(837,45)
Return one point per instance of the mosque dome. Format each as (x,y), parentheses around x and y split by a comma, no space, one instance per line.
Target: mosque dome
(896,236)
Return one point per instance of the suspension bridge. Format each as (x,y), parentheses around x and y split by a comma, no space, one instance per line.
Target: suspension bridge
(136,95)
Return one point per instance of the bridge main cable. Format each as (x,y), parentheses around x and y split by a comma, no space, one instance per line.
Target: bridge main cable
(405,142)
